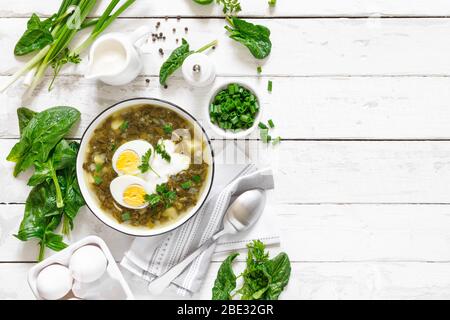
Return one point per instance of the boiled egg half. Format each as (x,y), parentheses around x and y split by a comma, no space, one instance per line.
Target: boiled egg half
(128,157)
(129,191)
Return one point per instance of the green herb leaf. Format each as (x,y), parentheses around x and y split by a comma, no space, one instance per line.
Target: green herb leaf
(279,269)
(153,199)
(25,115)
(43,132)
(226,280)
(145,163)
(126,216)
(186,185)
(63,156)
(161,150)
(124,126)
(36,37)
(230,7)
(255,37)
(41,218)
(163,196)
(63,58)
(204,2)
(264,279)
(168,128)
(174,62)
(176,59)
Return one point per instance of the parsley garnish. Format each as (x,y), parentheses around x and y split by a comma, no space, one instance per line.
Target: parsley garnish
(145,163)
(161,150)
(153,199)
(168,128)
(186,185)
(163,196)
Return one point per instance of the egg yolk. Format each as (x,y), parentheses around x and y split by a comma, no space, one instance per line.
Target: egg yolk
(134,196)
(128,162)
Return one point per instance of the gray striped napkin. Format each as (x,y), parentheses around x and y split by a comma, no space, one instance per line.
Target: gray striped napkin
(151,257)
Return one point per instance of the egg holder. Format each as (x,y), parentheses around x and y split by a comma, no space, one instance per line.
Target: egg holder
(63,258)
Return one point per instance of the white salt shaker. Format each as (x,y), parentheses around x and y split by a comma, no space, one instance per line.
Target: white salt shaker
(199,70)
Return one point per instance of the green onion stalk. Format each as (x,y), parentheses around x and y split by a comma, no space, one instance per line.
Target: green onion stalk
(57,54)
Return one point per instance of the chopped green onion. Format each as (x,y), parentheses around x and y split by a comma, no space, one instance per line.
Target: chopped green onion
(234,108)
(186,185)
(272,3)
(276,141)
(126,216)
(259,69)
(98,167)
(262,126)
(271,124)
(270,86)
(168,128)
(124,126)
(98,180)
(197,179)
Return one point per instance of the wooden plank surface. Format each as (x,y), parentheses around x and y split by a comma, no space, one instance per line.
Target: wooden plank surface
(310,172)
(361,185)
(286,8)
(301,47)
(367,280)
(309,233)
(374,107)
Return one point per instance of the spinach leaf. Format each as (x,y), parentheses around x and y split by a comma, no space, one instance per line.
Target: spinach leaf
(279,269)
(43,132)
(41,218)
(203,2)
(25,115)
(176,59)
(36,37)
(73,200)
(255,37)
(42,214)
(226,280)
(174,62)
(63,156)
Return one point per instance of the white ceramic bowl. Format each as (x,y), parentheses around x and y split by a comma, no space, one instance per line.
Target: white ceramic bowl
(227,134)
(90,197)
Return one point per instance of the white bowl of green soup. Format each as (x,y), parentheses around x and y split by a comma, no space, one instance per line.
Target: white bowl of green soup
(145,166)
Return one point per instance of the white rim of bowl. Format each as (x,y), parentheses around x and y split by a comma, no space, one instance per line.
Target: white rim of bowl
(92,201)
(229,134)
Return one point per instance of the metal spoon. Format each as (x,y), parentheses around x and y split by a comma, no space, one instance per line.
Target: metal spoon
(241,215)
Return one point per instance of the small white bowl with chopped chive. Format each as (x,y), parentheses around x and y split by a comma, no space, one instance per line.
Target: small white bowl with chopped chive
(234,110)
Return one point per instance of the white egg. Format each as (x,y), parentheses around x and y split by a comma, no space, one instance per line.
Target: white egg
(128,157)
(129,191)
(88,264)
(54,282)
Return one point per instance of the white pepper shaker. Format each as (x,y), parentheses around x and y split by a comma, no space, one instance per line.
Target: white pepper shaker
(199,70)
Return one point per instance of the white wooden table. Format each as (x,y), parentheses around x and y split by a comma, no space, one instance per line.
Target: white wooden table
(361,97)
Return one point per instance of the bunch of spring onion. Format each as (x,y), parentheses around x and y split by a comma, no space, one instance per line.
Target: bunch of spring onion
(50,39)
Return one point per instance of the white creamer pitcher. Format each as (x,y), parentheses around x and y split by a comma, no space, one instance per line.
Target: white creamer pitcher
(115,59)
